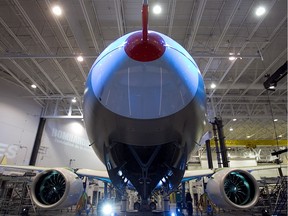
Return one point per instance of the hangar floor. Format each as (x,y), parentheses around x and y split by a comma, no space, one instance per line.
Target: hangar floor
(228,213)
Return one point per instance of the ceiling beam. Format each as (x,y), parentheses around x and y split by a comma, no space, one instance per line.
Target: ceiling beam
(21,83)
(170,17)
(196,24)
(44,44)
(225,29)
(11,33)
(89,25)
(53,56)
(243,47)
(67,41)
(119,17)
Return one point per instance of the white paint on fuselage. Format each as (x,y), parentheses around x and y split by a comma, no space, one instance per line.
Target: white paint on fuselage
(145,90)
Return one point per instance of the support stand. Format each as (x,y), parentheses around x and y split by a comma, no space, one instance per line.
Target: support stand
(166,206)
(124,203)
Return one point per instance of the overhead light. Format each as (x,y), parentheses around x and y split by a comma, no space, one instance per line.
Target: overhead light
(280,136)
(213,85)
(74,100)
(230,129)
(157,9)
(232,58)
(248,136)
(260,11)
(80,58)
(57,10)
(272,87)
(275,120)
(33,86)
(234,119)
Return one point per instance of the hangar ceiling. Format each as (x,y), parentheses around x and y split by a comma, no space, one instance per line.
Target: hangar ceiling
(37,47)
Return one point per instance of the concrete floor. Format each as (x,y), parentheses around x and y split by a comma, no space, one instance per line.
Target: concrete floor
(71,212)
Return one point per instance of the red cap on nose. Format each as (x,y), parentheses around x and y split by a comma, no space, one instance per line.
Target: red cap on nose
(144,51)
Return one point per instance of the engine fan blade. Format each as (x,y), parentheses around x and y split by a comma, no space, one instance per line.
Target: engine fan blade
(237,188)
(52,188)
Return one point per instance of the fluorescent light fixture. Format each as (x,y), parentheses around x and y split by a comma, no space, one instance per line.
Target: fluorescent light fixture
(232,58)
(57,10)
(275,120)
(213,85)
(272,87)
(234,119)
(230,129)
(260,11)
(33,86)
(74,100)
(80,58)
(157,9)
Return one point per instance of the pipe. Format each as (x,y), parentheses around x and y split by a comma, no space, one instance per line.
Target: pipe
(145,20)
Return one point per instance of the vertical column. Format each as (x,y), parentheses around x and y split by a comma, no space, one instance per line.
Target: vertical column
(216,144)
(209,155)
(221,136)
(105,190)
(183,195)
(37,142)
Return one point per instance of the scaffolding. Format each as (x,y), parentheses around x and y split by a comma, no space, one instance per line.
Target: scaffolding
(15,198)
(273,196)
(15,195)
(281,199)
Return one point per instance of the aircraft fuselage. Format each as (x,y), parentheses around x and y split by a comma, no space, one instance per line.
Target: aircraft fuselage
(144,115)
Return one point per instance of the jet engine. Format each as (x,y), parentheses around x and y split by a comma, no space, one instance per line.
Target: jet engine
(56,188)
(233,189)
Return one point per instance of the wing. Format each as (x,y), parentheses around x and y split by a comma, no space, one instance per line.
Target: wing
(194,174)
(94,174)
(24,168)
(251,169)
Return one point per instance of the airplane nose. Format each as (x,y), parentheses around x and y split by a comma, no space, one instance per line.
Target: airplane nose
(144,51)
(155,82)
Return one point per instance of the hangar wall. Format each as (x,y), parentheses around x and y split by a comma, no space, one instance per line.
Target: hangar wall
(62,140)
(65,143)
(19,119)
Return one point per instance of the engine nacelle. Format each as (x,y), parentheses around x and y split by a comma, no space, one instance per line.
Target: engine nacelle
(56,188)
(233,189)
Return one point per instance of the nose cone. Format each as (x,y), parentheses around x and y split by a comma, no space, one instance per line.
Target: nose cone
(132,81)
(143,51)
